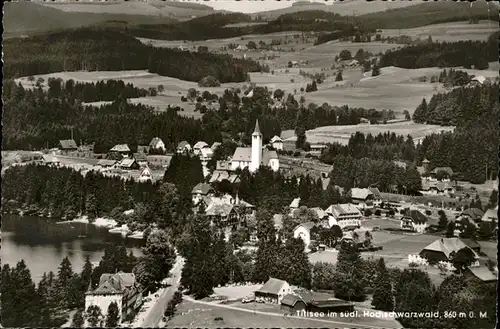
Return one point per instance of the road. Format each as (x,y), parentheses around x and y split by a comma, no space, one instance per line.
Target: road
(155,314)
(348,321)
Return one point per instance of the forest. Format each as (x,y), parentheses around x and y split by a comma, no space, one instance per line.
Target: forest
(95,49)
(468,54)
(214,26)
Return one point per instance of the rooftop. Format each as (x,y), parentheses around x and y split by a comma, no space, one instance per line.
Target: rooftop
(343,209)
(482,273)
(447,246)
(68,144)
(200,145)
(114,283)
(272,286)
(120,148)
(360,193)
(201,188)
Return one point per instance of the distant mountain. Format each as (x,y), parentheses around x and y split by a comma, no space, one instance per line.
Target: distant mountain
(347,7)
(27,17)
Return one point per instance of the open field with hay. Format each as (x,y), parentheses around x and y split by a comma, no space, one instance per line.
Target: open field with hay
(341,134)
(450,32)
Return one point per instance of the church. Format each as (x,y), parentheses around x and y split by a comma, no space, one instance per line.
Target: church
(255,156)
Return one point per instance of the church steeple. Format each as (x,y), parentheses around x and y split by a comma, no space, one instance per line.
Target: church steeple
(257,128)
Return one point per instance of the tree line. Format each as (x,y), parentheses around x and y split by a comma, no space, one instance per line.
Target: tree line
(444,54)
(94,49)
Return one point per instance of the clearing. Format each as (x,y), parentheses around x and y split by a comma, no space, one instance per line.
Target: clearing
(341,134)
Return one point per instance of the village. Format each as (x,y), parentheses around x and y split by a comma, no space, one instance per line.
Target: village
(422,235)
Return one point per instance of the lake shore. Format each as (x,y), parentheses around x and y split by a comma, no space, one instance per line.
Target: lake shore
(99,222)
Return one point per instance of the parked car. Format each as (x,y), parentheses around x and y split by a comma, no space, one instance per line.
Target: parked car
(248,300)
(376,228)
(219,318)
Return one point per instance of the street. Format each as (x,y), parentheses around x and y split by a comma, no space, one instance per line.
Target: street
(156,312)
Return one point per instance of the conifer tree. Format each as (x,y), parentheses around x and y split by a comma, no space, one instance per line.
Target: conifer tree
(94,316)
(382,296)
(112,316)
(78,320)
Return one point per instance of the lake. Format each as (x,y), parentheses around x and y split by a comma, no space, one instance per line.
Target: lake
(43,244)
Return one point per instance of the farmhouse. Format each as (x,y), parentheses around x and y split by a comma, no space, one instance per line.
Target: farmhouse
(121,288)
(414,221)
(290,304)
(446,171)
(128,164)
(323,302)
(67,145)
(362,197)
(437,188)
(377,196)
(317,148)
(490,216)
(295,204)
(157,144)
(50,160)
(122,149)
(206,154)
(226,210)
(344,215)
(253,157)
(472,244)
(446,249)
(273,291)
(277,143)
(221,175)
(183,148)
(303,231)
(201,190)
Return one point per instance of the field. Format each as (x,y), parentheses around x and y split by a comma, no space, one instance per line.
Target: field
(451,32)
(341,134)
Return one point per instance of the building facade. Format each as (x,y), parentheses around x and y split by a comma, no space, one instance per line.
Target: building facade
(344,215)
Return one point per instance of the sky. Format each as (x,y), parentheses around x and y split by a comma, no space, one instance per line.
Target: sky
(252,6)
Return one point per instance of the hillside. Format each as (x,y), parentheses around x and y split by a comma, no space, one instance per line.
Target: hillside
(177,10)
(346,7)
(24,18)
(427,13)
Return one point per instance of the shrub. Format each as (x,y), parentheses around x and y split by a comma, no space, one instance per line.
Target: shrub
(209,81)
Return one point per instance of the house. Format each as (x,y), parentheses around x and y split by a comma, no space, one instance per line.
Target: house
(226,210)
(121,288)
(141,159)
(322,215)
(291,304)
(481,273)
(198,147)
(353,63)
(477,80)
(414,221)
(222,214)
(241,48)
(157,144)
(273,291)
(358,237)
(303,231)
(445,250)
(344,215)
(362,197)
(67,145)
(201,190)
(158,161)
(255,156)
(146,175)
(317,148)
(122,149)
(447,171)
(183,148)
(325,302)
(377,196)
(105,163)
(206,154)
(364,121)
(400,164)
(295,204)
(474,214)
(437,187)
(277,143)
(128,164)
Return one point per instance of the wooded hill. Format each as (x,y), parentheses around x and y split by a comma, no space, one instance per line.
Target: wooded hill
(103,49)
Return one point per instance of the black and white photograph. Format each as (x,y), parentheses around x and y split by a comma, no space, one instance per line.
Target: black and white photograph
(246,164)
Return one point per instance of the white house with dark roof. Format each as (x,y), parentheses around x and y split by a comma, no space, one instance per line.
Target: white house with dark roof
(128,164)
(123,149)
(273,291)
(277,143)
(145,175)
(201,190)
(121,288)
(67,145)
(344,215)
(446,249)
(303,231)
(255,156)
(362,197)
(157,143)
